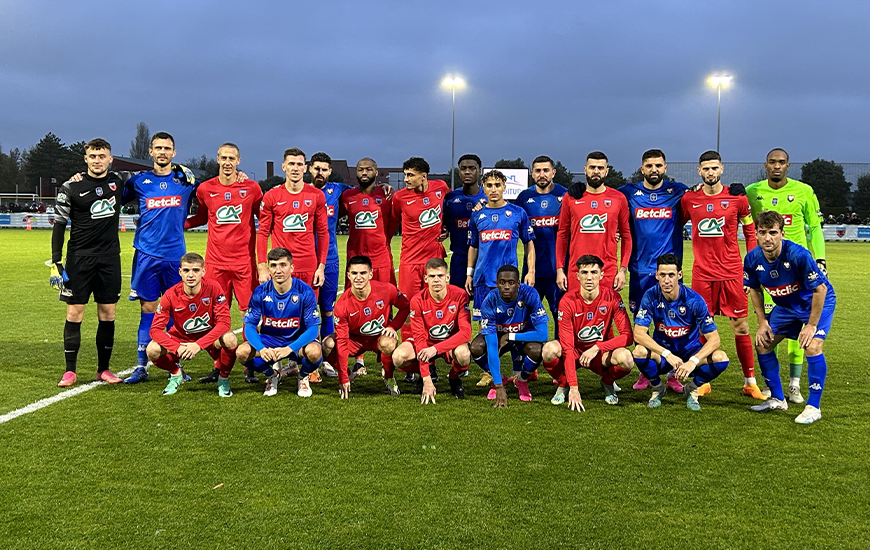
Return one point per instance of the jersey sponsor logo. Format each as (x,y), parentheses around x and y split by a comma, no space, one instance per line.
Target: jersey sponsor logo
(330,210)
(62,198)
(545,221)
(366,220)
(593,223)
(653,213)
(163,202)
(592,333)
(787,218)
(782,291)
(229,214)
(511,327)
(197,324)
(672,332)
(711,227)
(462,224)
(295,223)
(373,327)
(495,235)
(430,217)
(103,208)
(441,332)
(283,323)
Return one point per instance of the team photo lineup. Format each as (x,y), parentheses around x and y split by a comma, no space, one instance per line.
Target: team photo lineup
(276,256)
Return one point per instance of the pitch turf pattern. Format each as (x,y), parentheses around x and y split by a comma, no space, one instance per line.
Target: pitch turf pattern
(124,467)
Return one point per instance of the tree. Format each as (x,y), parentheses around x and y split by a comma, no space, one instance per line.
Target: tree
(269,183)
(516,163)
(635,177)
(827,180)
(10,171)
(614,178)
(139,146)
(862,195)
(48,159)
(209,166)
(563,176)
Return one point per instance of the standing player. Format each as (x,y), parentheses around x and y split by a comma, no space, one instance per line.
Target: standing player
(543,204)
(287,308)
(799,207)
(229,205)
(586,339)
(804,311)
(164,197)
(200,317)
(680,317)
(512,319)
(715,217)
(440,327)
(594,224)
(364,322)
(93,257)
(457,213)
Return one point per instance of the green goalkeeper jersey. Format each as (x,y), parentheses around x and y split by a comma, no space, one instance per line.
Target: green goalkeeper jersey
(798,205)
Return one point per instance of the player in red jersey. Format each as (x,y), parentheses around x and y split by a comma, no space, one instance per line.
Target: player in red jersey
(590,225)
(717,272)
(440,327)
(200,315)
(418,208)
(362,323)
(586,339)
(293,213)
(368,213)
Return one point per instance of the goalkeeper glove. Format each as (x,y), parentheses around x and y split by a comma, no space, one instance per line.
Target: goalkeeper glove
(736,189)
(823,266)
(576,190)
(183,173)
(58,276)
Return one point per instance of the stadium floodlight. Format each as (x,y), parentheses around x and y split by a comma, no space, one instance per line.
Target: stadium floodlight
(719,81)
(453,82)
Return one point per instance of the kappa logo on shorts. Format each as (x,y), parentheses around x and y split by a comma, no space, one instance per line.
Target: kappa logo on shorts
(197,324)
(229,214)
(103,208)
(295,223)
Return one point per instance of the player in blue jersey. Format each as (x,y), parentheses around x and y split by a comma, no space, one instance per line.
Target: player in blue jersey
(457,213)
(513,319)
(287,308)
(804,310)
(679,317)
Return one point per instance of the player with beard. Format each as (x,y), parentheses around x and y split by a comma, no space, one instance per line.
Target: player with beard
(716,273)
(457,211)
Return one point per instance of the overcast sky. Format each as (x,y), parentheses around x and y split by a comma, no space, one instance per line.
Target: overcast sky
(362,78)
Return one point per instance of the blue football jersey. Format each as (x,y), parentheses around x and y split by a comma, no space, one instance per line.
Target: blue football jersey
(457,212)
(332,191)
(284,315)
(498,316)
(543,211)
(495,233)
(679,324)
(790,279)
(655,221)
(164,202)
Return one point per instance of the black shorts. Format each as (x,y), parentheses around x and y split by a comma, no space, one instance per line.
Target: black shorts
(97,275)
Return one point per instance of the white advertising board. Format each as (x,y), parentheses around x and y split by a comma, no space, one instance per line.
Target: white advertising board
(517,180)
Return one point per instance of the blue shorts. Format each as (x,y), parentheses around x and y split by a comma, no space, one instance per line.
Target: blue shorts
(270,341)
(784,321)
(480,293)
(458,267)
(547,289)
(684,354)
(638,284)
(152,276)
(329,290)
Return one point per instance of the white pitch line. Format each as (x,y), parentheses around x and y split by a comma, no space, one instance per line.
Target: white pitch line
(42,403)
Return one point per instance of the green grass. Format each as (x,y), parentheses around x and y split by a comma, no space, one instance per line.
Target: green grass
(124,467)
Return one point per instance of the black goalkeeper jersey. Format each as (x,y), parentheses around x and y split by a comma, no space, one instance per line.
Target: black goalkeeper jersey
(92,206)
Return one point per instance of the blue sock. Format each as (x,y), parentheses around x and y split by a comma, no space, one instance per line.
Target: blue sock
(144,337)
(308,367)
(529,367)
(260,366)
(817,369)
(650,369)
(707,372)
(327,325)
(769,365)
(482,362)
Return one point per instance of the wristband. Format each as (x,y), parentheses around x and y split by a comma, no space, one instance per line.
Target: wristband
(665,353)
(469,271)
(695,360)
(511,337)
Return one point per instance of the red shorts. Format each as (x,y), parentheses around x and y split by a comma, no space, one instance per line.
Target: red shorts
(357,347)
(240,280)
(423,368)
(213,351)
(411,278)
(723,297)
(307,277)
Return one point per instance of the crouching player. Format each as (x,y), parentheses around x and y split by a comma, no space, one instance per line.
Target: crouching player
(586,318)
(440,327)
(362,323)
(804,311)
(288,309)
(506,315)
(680,317)
(200,315)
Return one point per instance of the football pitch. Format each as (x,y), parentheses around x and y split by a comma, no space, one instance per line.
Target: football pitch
(124,467)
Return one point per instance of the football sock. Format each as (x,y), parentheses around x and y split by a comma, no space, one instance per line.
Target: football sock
(389,368)
(650,369)
(455,369)
(769,365)
(817,369)
(226,360)
(554,369)
(795,381)
(260,366)
(614,373)
(795,359)
(72,341)
(745,354)
(308,367)
(143,337)
(327,325)
(105,342)
(529,366)
(169,363)
(707,372)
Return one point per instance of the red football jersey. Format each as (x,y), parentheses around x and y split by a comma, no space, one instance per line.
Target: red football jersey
(202,318)
(368,217)
(358,319)
(420,215)
(445,324)
(582,325)
(589,225)
(714,233)
(229,211)
(293,220)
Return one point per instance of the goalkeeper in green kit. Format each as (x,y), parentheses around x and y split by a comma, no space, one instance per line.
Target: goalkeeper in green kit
(798,205)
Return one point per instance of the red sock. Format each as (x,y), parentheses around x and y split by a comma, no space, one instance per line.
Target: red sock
(168,362)
(613,374)
(556,369)
(456,369)
(226,361)
(387,361)
(745,354)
